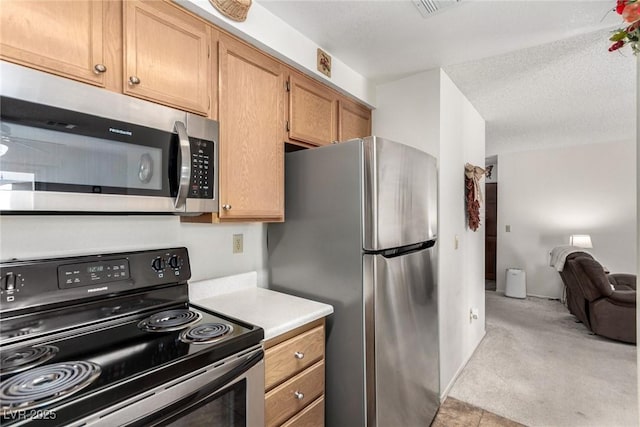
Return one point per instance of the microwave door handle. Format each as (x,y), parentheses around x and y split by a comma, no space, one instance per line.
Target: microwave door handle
(185,166)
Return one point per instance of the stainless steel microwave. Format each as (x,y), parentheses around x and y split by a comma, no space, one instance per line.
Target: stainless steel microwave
(69,147)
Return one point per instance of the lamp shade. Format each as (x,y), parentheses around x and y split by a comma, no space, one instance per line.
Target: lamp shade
(580,241)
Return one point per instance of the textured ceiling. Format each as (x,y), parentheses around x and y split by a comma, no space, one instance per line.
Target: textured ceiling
(538,71)
(387,39)
(567,92)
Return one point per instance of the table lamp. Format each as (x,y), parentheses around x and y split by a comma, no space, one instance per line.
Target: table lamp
(580,241)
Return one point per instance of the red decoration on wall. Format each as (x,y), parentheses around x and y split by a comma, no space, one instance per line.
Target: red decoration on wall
(473,194)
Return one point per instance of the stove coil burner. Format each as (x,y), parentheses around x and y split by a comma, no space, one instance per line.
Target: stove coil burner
(206,333)
(25,358)
(169,320)
(46,384)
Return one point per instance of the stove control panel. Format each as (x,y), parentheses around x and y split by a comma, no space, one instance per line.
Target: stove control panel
(92,273)
(25,284)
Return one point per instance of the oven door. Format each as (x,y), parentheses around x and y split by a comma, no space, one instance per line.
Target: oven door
(225,394)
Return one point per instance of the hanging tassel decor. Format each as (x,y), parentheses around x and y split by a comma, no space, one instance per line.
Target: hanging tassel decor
(473,194)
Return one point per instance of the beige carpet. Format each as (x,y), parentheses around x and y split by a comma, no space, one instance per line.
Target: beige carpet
(538,367)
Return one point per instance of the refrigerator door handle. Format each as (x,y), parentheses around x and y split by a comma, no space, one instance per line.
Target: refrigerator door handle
(395,252)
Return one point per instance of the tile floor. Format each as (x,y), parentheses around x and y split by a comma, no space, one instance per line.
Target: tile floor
(455,413)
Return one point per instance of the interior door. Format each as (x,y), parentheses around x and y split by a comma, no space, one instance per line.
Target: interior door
(401,321)
(491,215)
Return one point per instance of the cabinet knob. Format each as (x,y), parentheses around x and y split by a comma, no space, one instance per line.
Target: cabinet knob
(133,80)
(99,68)
(298,395)
(226,207)
(298,355)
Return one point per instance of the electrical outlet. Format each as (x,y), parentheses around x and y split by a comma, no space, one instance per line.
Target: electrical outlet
(237,243)
(507,228)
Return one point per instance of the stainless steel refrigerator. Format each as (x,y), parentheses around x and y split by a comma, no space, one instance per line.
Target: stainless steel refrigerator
(360,234)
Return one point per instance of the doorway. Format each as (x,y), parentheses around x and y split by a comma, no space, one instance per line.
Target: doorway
(491,218)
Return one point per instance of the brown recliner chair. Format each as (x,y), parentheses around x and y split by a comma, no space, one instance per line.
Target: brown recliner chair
(606,311)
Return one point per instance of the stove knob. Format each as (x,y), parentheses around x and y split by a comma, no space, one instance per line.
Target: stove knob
(158,264)
(10,281)
(175,261)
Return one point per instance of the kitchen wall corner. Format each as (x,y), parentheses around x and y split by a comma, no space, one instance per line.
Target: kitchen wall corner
(210,246)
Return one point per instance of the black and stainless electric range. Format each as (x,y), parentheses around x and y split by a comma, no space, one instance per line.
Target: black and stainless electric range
(112,340)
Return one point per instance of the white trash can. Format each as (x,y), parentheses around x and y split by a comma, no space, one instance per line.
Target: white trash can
(516,283)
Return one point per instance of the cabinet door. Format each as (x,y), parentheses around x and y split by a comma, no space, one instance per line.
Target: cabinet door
(167,56)
(354,121)
(59,37)
(251,102)
(312,111)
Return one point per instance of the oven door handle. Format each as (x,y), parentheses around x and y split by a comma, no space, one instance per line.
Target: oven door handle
(193,401)
(185,165)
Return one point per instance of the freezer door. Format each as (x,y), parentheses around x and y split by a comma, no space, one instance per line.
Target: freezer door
(401,339)
(400,193)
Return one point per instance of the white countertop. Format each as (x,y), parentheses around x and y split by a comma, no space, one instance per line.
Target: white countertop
(276,312)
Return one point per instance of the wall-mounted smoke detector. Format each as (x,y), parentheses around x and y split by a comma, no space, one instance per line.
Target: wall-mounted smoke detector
(429,8)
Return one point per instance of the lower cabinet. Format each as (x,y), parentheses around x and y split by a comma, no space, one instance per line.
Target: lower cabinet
(294,377)
(311,416)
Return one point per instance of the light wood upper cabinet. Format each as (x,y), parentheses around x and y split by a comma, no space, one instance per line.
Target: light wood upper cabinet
(251,111)
(167,56)
(354,120)
(59,37)
(313,111)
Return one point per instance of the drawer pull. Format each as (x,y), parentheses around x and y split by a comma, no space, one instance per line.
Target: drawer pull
(298,395)
(298,355)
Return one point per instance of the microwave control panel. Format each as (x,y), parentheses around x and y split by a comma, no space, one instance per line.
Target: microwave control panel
(202,169)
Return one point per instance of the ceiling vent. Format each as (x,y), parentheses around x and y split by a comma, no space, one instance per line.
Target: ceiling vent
(428,8)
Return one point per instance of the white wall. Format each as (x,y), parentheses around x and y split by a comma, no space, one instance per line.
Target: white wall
(547,195)
(409,111)
(428,112)
(273,35)
(209,245)
(461,270)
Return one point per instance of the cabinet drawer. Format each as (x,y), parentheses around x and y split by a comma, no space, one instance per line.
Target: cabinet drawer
(292,356)
(289,398)
(311,416)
